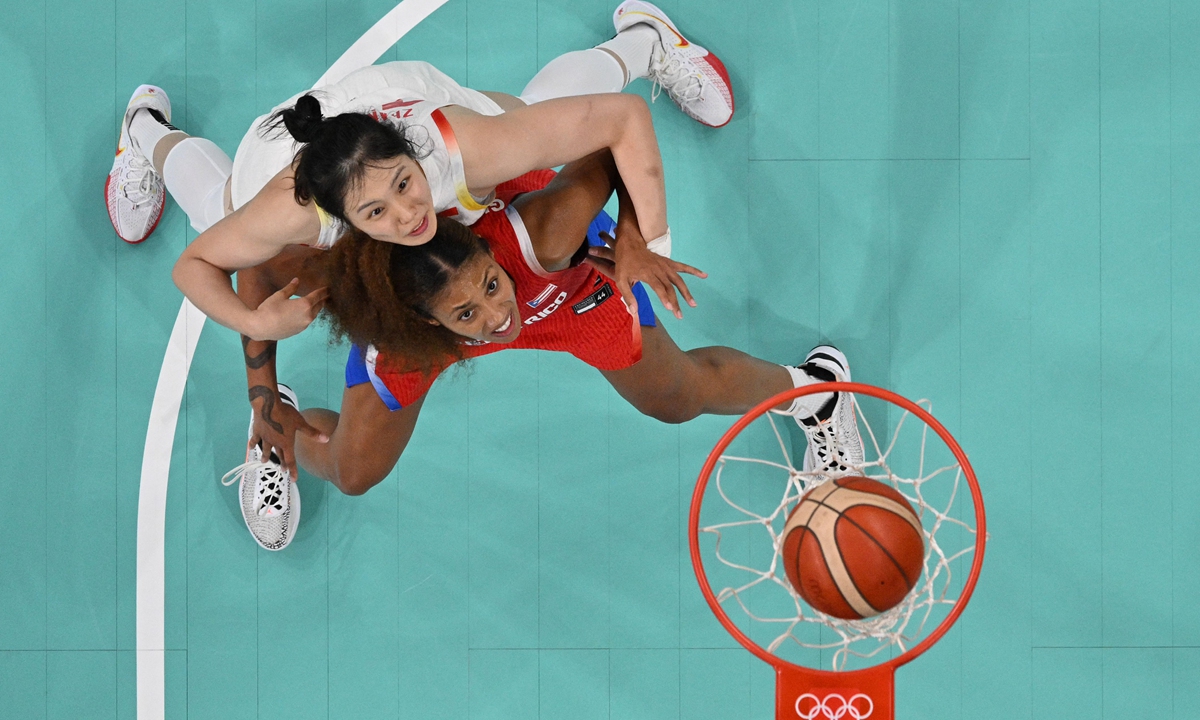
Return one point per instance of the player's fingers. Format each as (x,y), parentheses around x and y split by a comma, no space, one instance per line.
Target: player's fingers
(681,267)
(288,290)
(602,252)
(605,267)
(311,431)
(677,281)
(668,283)
(315,301)
(317,296)
(628,297)
(288,460)
(665,291)
(315,310)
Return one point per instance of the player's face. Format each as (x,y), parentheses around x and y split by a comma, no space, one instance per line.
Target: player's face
(480,303)
(393,203)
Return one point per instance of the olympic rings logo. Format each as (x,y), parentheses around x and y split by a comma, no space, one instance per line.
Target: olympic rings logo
(834,706)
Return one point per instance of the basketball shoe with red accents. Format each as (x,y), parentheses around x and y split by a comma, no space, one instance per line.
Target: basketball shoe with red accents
(694,78)
(133,191)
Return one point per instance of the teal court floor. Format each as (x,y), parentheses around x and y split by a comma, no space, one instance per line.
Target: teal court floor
(988,203)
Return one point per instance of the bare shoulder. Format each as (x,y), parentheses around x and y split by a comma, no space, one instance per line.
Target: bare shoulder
(274,215)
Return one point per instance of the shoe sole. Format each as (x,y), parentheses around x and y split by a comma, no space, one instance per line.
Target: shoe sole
(153,227)
(711,57)
(720,68)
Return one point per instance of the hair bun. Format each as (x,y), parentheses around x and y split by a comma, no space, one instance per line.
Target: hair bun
(304,120)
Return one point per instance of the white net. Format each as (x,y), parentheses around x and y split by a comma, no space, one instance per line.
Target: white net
(745,535)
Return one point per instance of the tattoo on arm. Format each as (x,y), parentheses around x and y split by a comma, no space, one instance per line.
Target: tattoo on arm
(264,392)
(255,362)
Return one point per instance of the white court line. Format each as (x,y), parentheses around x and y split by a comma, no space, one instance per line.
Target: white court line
(168,398)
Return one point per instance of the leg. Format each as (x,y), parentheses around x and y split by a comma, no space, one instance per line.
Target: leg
(365,440)
(647,45)
(608,67)
(196,173)
(582,72)
(675,386)
(194,170)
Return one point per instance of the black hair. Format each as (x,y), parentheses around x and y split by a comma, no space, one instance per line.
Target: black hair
(336,150)
(421,272)
(381,293)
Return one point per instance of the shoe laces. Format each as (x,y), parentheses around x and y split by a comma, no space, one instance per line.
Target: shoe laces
(140,183)
(247,468)
(270,482)
(822,437)
(671,73)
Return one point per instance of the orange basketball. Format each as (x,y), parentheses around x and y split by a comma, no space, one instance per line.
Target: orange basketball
(853,548)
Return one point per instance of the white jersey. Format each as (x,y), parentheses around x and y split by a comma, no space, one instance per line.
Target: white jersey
(406,93)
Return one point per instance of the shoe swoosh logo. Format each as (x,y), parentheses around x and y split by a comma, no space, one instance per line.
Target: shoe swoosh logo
(682,40)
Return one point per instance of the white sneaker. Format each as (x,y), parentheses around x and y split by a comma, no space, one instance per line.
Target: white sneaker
(692,76)
(134,192)
(270,500)
(834,444)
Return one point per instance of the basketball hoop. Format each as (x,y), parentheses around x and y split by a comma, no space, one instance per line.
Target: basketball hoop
(749,496)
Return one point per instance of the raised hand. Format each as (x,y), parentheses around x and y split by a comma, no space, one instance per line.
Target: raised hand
(628,260)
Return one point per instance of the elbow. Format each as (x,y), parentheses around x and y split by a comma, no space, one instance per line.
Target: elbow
(177,273)
(356,478)
(357,483)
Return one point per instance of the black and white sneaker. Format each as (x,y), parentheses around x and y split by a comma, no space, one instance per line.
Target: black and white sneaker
(834,444)
(270,500)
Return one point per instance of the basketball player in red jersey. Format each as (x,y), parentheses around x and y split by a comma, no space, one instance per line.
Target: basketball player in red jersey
(521,277)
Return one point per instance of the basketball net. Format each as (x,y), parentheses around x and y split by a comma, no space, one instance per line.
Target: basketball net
(827,664)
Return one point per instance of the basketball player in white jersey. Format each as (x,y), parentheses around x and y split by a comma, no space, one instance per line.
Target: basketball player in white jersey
(305,172)
(416,310)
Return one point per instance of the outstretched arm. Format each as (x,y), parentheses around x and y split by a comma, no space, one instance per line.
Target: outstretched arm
(275,424)
(548,134)
(557,218)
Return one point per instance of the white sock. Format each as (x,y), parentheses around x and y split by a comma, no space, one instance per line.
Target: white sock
(195,173)
(146,130)
(634,46)
(803,407)
(581,72)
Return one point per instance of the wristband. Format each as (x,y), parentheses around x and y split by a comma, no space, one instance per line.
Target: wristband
(661,245)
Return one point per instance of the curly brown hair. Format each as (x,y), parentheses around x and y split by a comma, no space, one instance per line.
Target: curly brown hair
(380,294)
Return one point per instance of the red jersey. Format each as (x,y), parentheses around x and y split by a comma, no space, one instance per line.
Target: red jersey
(576,310)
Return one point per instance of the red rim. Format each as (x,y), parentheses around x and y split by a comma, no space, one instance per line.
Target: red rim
(861,389)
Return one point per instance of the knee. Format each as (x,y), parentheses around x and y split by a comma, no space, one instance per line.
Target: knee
(671,410)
